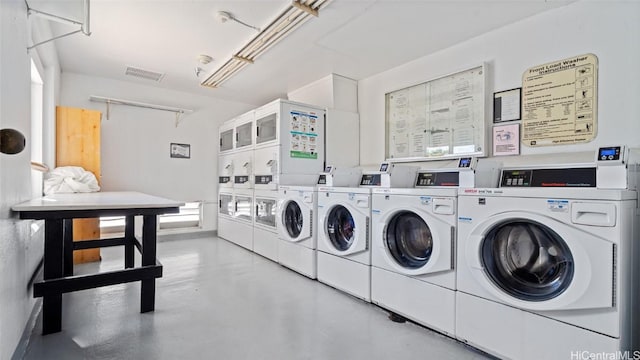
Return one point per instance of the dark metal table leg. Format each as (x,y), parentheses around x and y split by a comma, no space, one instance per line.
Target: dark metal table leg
(68,246)
(53,258)
(129,247)
(148,287)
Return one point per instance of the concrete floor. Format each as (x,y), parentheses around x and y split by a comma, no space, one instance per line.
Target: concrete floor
(219,301)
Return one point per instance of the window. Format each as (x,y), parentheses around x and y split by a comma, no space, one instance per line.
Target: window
(189,217)
(36,136)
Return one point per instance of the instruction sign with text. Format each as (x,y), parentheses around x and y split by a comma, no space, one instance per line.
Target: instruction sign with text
(304,136)
(559,102)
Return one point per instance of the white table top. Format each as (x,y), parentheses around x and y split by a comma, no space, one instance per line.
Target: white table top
(96,201)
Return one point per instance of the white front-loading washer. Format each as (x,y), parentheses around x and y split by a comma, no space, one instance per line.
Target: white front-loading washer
(546,265)
(412,265)
(265,225)
(344,256)
(297,227)
(344,229)
(413,241)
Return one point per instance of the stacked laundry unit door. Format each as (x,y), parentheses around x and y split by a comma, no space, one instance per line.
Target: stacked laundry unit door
(265,227)
(547,263)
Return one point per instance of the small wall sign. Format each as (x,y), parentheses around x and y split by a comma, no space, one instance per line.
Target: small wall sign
(182,151)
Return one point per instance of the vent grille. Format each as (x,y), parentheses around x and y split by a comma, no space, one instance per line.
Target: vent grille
(144,74)
(311,223)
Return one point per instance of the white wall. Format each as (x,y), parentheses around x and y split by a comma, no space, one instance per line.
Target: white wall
(608,29)
(20,249)
(135,141)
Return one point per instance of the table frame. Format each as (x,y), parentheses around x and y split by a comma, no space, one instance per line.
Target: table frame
(58,258)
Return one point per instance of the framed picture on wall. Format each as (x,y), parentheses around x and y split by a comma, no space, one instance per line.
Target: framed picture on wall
(182,151)
(506,105)
(506,140)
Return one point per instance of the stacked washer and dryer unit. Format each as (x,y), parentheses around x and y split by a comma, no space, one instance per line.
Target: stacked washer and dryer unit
(279,143)
(344,236)
(548,263)
(414,241)
(290,141)
(235,191)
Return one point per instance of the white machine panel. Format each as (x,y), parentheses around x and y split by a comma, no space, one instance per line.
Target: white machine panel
(389,176)
(343,177)
(242,169)
(225,170)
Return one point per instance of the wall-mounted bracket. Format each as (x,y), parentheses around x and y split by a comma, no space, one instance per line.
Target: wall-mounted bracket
(110,101)
(84,25)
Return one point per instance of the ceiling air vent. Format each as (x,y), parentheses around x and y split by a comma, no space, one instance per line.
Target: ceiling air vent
(144,74)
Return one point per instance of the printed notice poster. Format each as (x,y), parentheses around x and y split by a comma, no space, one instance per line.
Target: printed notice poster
(506,140)
(559,102)
(304,136)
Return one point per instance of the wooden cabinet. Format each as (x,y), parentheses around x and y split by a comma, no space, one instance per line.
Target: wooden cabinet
(78,144)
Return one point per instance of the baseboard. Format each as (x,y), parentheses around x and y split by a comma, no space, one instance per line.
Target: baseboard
(187,235)
(23,344)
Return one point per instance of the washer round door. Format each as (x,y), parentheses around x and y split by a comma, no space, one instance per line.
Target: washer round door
(295,222)
(527,260)
(343,230)
(409,240)
(292,219)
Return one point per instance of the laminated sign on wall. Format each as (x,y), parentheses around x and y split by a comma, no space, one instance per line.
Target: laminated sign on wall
(559,102)
(304,135)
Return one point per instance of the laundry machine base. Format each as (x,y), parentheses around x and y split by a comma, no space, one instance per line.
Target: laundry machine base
(225,227)
(239,234)
(265,243)
(298,258)
(349,276)
(511,333)
(430,305)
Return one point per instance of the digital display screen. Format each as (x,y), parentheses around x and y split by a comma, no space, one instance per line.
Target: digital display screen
(322,180)
(263,179)
(240,179)
(609,153)
(328,169)
(567,178)
(464,163)
(384,167)
(371,180)
(438,179)
(224,179)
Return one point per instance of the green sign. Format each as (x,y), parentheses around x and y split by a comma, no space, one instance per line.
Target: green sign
(303,155)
